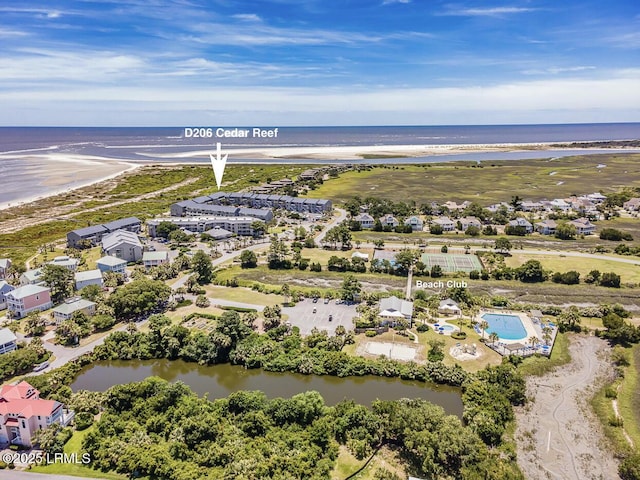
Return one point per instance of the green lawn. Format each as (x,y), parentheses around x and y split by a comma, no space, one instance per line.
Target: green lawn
(539,365)
(74,445)
(628,272)
(244,295)
(629,396)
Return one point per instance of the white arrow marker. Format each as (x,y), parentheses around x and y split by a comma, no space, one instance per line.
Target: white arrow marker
(218,163)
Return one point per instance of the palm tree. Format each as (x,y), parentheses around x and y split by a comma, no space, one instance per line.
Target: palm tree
(546,335)
(493,337)
(533,340)
(483,326)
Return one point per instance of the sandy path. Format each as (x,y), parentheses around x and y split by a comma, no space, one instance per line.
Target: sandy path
(557,434)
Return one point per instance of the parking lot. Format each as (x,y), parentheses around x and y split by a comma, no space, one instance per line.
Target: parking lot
(302,316)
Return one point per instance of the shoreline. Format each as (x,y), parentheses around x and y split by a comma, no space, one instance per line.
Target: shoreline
(86,177)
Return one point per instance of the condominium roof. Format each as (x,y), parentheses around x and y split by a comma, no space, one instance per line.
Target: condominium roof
(119,236)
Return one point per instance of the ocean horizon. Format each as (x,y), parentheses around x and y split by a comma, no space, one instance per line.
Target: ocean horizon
(27,154)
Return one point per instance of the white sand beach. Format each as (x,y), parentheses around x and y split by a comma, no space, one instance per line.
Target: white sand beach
(50,174)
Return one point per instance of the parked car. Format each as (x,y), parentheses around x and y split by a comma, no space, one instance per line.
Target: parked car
(326,300)
(330,317)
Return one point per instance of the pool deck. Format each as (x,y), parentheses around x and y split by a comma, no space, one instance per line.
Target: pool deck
(532,327)
(442,323)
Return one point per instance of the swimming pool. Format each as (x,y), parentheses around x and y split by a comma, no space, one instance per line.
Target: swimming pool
(508,327)
(446,328)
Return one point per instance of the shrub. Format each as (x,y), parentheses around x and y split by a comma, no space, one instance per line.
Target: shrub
(371,333)
(615,421)
(83,420)
(459,335)
(423,327)
(237,309)
(610,392)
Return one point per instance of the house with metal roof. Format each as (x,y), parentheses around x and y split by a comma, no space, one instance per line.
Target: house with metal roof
(32,277)
(4,289)
(88,277)
(154,259)
(65,261)
(123,244)
(111,264)
(5,265)
(27,299)
(394,308)
(8,341)
(77,304)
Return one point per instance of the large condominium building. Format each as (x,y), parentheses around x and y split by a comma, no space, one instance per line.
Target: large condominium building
(93,235)
(252,201)
(237,225)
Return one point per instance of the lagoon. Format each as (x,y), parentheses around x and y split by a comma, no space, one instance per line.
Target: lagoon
(219,381)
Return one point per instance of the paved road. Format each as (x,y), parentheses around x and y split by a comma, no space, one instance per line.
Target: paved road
(342,215)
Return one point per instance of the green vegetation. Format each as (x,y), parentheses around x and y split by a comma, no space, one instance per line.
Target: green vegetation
(492,181)
(538,365)
(22,360)
(164,431)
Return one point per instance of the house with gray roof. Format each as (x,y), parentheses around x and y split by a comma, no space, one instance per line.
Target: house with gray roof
(32,277)
(546,227)
(123,244)
(154,259)
(415,223)
(393,308)
(8,341)
(88,277)
(5,265)
(4,289)
(112,264)
(27,299)
(67,262)
(77,304)
(446,223)
(365,220)
(521,222)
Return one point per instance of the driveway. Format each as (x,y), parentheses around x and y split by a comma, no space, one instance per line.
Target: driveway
(301,315)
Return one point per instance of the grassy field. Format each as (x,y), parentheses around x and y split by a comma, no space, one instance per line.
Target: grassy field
(384,459)
(244,295)
(629,396)
(493,182)
(540,365)
(629,273)
(74,445)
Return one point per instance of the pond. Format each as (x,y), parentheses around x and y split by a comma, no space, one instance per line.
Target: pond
(219,381)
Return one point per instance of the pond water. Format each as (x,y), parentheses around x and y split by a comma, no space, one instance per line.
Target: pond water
(218,381)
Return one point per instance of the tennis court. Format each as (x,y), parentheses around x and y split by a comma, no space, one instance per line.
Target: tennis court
(452,262)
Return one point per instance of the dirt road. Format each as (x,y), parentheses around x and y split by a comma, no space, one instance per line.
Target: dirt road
(558,435)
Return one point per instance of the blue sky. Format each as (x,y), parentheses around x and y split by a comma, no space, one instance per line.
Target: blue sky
(318,62)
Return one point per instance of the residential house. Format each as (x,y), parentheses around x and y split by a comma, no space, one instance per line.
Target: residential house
(466,222)
(559,204)
(521,222)
(496,207)
(26,299)
(4,289)
(446,223)
(415,222)
(365,220)
(8,341)
(153,259)
(633,205)
(5,265)
(23,413)
(449,307)
(596,197)
(88,277)
(583,226)
(77,304)
(546,227)
(32,277)
(389,221)
(529,206)
(66,262)
(123,244)
(112,264)
(394,308)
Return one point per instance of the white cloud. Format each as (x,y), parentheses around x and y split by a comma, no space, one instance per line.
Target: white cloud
(485,12)
(558,70)
(247,17)
(390,2)
(567,100)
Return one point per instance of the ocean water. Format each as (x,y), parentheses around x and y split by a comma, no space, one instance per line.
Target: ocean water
(137,144)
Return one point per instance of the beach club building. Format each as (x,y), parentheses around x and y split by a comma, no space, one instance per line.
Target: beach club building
(23,413)
(394,308)
(27,299)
